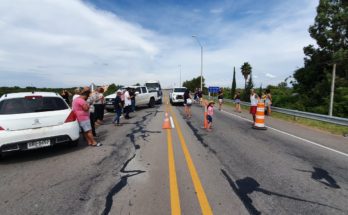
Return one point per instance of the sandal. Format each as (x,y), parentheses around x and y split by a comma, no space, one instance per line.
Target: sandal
(96,145)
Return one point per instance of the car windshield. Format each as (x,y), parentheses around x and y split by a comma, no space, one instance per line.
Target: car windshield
(152,86)
(32,105)
(179,90)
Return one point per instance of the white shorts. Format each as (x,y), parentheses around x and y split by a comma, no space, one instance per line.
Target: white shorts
(85,125)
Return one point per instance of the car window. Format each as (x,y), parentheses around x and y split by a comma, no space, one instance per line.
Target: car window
(32,105)
(143,89)
(179,90)
(138,90)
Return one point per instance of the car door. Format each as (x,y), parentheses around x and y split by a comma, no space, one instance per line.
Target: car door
(139,98)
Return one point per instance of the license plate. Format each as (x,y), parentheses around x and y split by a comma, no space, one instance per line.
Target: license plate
(39,144)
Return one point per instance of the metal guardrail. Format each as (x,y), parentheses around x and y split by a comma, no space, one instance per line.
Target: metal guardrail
(307,115)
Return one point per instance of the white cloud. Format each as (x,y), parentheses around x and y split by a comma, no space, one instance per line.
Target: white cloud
(70,43)
(269,75)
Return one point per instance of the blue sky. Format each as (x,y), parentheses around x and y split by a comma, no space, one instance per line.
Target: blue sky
(74,43)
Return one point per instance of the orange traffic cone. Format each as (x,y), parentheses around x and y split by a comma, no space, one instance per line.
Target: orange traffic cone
(166,122)
(260,117)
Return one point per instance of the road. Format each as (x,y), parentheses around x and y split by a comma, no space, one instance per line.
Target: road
(144,169)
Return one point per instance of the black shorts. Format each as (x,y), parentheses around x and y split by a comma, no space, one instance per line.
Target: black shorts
(209,118)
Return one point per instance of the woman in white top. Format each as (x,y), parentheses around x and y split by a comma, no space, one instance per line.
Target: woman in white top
(254,99)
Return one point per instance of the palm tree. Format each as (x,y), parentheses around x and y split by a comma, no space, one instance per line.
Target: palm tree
(246,70)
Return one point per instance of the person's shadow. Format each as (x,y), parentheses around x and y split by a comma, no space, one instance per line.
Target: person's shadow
(246,186)
(322,176)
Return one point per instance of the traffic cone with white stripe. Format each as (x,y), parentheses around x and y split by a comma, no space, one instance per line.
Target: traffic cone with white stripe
(166,122)
(260,117)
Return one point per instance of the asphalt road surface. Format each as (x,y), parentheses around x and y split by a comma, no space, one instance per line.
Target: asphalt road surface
(144,169)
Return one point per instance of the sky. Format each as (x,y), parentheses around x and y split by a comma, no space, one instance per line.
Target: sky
(67,43)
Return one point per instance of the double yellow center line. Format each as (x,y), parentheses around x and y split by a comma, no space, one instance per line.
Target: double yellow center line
(174,191)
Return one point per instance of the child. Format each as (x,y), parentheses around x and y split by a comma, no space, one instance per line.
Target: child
(210,112)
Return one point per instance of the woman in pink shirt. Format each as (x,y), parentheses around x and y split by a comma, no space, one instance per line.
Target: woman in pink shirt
(81,110)
(210,112)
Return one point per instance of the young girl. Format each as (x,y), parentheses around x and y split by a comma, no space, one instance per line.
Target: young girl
(210,112)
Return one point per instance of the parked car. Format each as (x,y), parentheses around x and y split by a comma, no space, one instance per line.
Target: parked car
(34,120)
(143,97)
(155,86)
(176,96)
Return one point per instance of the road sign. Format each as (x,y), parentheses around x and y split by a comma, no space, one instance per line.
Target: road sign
(213,89)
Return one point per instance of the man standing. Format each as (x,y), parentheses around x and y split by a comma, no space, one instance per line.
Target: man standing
(118,108)
(127,103)
(254,99)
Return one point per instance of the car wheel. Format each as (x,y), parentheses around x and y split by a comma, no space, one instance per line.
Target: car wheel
(152,103)
(74,143)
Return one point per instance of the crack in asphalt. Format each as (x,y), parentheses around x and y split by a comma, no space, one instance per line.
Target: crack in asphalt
(199,137)
(139,128)
(246,186)
(120,185)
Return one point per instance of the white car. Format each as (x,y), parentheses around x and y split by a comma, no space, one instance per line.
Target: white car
(34,120)
(176,96)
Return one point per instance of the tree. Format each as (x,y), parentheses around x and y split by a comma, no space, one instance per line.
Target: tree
(246,70)
(234,85)
(250,85)
(112,89)
(313,80)
(193,84)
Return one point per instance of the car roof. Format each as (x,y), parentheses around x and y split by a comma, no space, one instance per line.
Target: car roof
(24,94)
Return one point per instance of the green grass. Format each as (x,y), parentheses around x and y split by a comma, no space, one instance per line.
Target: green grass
(323,126)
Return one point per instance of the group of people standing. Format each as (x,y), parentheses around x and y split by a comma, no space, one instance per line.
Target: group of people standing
(124,103)
(88,107)
(266,98)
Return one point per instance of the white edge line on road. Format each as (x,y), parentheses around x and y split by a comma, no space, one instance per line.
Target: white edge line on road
(294,136)
(172,122)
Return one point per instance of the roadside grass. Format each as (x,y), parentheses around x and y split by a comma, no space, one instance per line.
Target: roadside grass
(324,126)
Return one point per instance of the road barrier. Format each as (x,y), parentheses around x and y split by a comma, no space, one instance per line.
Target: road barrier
(306,115)
(260,117)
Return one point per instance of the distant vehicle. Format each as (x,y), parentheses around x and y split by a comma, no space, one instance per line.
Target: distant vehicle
(155,86)
(36,120)
(176,96)
(143,98)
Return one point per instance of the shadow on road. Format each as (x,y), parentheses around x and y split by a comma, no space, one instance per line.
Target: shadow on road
(246,186)
(322,176)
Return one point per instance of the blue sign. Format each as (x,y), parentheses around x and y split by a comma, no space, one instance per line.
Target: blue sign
(214,89)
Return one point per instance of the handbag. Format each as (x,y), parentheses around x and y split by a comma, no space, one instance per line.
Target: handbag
(188,101)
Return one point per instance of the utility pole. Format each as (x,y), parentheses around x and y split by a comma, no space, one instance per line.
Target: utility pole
(332,89)
(180,74)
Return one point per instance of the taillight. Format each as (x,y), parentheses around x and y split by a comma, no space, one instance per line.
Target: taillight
(2,129)
(33,97)
(71,117)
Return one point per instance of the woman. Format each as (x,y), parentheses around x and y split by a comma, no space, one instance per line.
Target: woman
(237,101)
(65,94)
(99,106)
(220,98)
(91,99)
(268,101)
(81,110)
(187,104)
